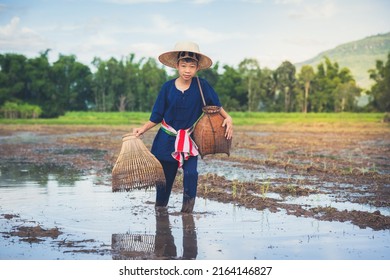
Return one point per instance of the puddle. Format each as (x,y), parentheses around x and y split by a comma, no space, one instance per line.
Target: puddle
(323,200)
(262,174)
(96,223)
(241,172)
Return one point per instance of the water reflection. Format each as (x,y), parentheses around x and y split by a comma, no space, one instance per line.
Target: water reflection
(190,241)
(88,213)
(29,174)
(130,246)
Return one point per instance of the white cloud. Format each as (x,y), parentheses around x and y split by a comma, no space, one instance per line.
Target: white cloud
(303,41)
(253,1)
(206,35)
(202,2)
(288,1)
(2,7)
(146,49)
(15,37)
(228,31)
(130,2)
(98,41)
(11,28)
(316,10)
(153,25)
(138,1)
(162,25)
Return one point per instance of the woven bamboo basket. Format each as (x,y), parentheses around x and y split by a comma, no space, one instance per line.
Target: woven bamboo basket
(209,135)
(136,167)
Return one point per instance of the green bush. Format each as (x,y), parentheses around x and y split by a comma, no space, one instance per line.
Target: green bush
(14,110)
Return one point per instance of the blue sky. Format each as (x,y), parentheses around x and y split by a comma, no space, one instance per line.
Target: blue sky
(229,31)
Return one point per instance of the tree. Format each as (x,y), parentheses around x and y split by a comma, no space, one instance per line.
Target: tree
(231,90)
(12,77)
(152,78)
(39,85)
(134,83)
(285,79)
(345,96)
(267,91)
(116,85)
(306,76)
(380,91)
(328,77)
(210,74)
(72,88)
(250,71)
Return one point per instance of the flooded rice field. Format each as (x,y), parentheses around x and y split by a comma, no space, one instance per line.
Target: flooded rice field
(285,192)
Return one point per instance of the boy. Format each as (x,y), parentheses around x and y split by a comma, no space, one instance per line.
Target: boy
(178,107)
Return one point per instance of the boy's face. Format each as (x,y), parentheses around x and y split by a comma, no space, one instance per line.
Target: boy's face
(187,69)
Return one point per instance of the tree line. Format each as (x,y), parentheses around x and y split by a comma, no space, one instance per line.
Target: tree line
(33,87)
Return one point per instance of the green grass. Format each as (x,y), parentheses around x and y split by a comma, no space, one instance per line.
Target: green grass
(88,118)
(248,118)
(239,118)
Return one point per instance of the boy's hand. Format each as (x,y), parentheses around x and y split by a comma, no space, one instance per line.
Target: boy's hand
(138,131)
(228,124)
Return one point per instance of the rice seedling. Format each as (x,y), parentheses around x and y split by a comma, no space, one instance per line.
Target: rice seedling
(364,170)
(206,190)
(292,189)
(264,189)
(234,189)
(374,168)
(270,152)
(242,190)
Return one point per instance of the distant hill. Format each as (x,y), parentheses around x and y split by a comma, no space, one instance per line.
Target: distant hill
(359,56)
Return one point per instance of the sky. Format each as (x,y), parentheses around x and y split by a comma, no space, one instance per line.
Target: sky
(228,31)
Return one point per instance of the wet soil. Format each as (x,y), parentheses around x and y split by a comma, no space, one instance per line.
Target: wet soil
(347,162)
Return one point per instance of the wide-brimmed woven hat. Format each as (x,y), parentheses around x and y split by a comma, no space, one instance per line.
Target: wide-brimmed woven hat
(185,49)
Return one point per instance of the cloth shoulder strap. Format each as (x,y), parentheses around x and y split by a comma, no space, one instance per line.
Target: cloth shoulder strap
(201,91)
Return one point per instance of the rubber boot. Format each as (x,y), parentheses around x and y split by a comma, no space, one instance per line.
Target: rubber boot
(161,204)
(188,205)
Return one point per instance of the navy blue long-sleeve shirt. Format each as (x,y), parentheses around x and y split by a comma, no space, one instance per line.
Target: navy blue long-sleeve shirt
(180,110)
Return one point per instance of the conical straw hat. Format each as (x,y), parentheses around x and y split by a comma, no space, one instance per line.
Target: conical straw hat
(170,58)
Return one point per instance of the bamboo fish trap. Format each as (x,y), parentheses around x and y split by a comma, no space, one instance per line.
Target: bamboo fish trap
(136,167)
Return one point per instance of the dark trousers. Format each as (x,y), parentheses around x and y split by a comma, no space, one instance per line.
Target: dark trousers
(190,181)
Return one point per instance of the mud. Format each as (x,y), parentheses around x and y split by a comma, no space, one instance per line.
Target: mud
(328,172)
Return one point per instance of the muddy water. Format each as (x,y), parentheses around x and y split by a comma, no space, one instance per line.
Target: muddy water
(98,224)
(261,174)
